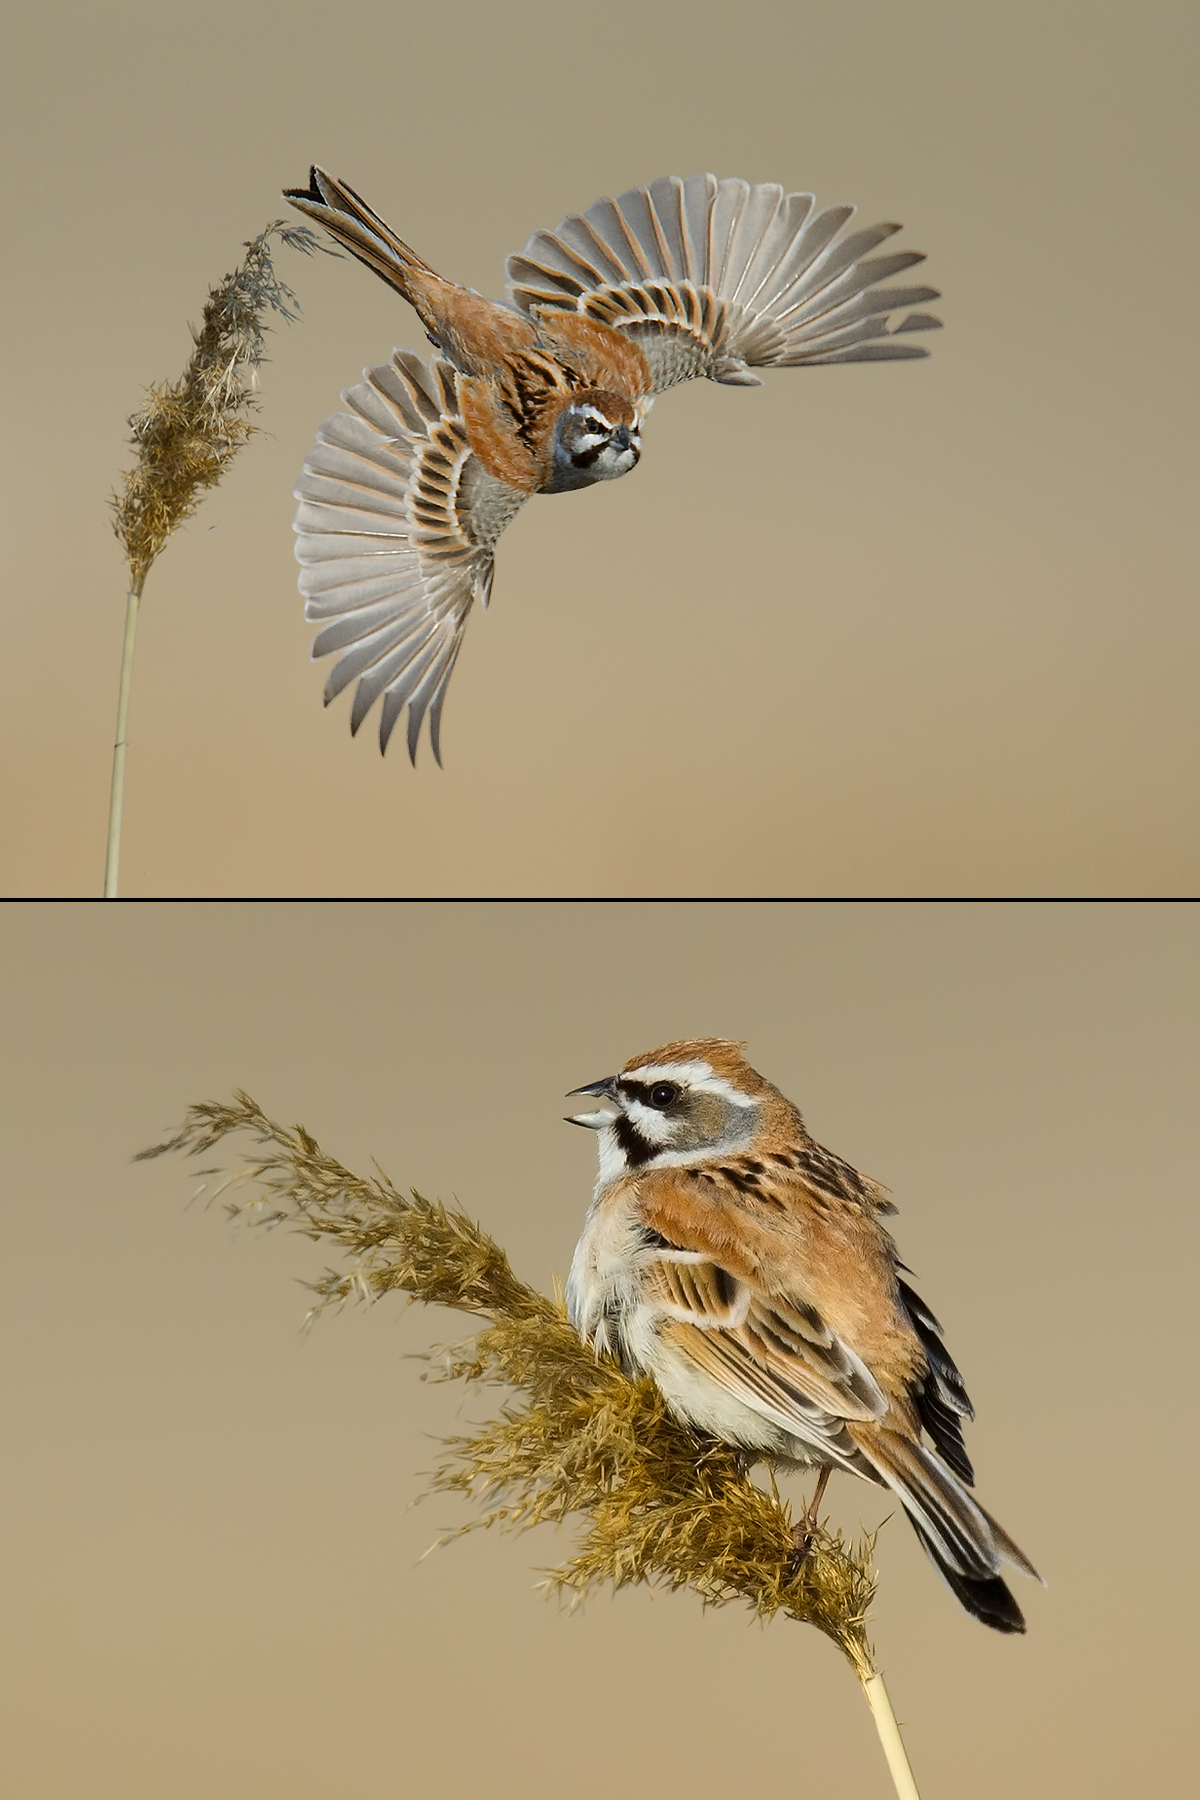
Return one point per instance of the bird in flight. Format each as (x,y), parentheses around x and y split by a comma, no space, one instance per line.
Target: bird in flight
(404,495)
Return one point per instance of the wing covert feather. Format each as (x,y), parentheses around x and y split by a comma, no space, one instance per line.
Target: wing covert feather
(776,1353)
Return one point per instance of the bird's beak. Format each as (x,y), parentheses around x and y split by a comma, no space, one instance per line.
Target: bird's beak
(620,437)
(605,1089)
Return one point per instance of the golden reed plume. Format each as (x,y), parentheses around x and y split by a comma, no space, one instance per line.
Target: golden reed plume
(658,1504)
(187,433)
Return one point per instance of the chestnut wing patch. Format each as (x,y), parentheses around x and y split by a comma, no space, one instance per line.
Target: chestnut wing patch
(777,1355)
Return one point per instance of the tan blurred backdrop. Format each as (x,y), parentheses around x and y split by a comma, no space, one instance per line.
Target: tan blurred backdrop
(213,1585)
(916,629)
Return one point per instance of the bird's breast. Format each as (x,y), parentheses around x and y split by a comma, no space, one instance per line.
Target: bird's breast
(605,1301)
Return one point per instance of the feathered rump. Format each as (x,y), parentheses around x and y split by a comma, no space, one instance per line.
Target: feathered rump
(395,526)
(715,276)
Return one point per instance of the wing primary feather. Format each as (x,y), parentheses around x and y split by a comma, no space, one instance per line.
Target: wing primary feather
(436,703)
(920,321)
(393,706)
(695,206)
(580,235)
(753,238)
(858,353)
(727,209)
(796,208)
(638,268)
(395,529)
(666,195)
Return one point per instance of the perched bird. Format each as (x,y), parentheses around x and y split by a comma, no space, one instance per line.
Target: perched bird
(403,497)
(745,1268)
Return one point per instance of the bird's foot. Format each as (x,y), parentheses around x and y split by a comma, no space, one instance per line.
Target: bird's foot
(802,1543)
(805,1531)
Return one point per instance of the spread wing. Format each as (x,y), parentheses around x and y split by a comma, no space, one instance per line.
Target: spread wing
(396,525)
(716,277)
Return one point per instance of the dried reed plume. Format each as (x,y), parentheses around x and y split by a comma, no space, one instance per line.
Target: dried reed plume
(660,1505)
(187,433)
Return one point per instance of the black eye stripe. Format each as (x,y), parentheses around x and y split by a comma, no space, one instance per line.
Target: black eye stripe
(593,423)
(645,1090)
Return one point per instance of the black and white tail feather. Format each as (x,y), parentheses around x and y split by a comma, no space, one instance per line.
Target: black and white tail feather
(965,1544)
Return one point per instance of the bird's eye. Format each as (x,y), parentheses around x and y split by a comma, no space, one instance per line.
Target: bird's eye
(663,1094)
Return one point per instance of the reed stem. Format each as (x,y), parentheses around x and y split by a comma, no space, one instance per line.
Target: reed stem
(889,1736)
(117,796)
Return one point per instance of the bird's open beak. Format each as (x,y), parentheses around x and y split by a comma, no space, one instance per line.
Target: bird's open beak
(595,1120)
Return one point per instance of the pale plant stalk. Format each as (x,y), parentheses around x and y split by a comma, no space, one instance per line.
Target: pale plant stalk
(116,799)
(576,1437)
(188,432)
(898,1764)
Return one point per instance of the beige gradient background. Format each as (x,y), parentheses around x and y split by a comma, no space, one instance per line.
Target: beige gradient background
(213,1584)
(916,630)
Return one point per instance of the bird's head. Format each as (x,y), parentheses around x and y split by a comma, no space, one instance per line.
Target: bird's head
(597,436)
(682,1103)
